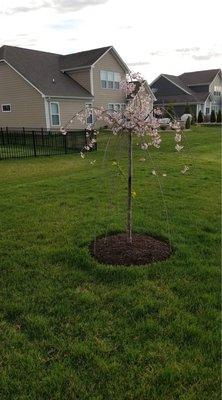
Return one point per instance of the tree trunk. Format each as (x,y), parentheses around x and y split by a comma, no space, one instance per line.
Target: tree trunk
(129,198)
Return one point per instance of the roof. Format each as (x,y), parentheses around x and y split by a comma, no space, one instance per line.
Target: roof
(81,59)
(185,82)
(199,77)
(183,98)
(178,82)
(43,69)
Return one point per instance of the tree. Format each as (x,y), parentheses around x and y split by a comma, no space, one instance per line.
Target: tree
(200,117)
(212,116)
(219,116)
(135,119)
(169,112)
(187,109)
(188,123)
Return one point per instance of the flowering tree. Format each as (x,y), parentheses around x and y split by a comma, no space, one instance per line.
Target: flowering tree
(137,118)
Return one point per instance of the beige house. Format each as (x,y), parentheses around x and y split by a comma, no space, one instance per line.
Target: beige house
(44,90)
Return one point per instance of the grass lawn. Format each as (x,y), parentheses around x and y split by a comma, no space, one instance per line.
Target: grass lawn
(74,329)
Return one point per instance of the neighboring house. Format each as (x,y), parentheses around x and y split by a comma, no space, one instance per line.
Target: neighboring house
(44,90)
(201,89)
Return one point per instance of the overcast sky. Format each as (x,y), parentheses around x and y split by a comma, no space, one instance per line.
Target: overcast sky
(152,37)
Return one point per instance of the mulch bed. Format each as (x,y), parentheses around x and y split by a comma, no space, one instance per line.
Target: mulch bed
(115,250)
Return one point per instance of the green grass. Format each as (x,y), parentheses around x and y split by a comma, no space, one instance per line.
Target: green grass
(74,329)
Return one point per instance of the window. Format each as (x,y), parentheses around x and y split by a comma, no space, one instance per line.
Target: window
(110,80)
(116,107)
(89,113)
(207,110)
(103,78)
(6,107)
(117,79)
(217,90)
(55,118)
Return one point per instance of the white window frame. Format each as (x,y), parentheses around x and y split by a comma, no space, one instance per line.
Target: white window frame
(6,104)
(106,73)
(90,105)
(54,102)
(120,105)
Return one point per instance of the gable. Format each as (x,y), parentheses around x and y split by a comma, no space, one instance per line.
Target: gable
(163,86)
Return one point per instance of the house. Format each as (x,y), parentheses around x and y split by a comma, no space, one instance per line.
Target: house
(201,89)
(44,90)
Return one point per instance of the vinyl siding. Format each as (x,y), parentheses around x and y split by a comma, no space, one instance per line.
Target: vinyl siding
(104,96)
(27,104)
(216,82)
(82,77)
(68,108)
(165,88)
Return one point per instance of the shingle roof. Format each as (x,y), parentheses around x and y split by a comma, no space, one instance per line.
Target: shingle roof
(43,69)
(178,82)
(185,82)
(199,77)
(83,58)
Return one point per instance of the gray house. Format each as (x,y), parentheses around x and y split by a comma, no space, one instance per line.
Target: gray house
(201,89)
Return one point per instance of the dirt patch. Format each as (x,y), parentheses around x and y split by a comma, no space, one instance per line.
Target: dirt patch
(116,250)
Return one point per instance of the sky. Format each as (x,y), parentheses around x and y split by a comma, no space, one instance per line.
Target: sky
(152,37)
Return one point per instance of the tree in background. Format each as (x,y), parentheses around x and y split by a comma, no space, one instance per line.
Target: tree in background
(219,116)
(188,123)
(200,117)
(169,112)
(187,109)
(212,116)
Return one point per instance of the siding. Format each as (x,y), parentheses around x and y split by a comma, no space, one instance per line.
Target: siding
(82,77)
(165,88)
(68,108)
(216,82)
(104,96)
(27,104)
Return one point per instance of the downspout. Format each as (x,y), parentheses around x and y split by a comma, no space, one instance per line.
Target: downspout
(47,112)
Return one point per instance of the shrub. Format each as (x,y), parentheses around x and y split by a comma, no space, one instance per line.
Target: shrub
(200,117)
(212,116)
(170,113)
(188,123)
(187,109)
(163,127)
(219,116)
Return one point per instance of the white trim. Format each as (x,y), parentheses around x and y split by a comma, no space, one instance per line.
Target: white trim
(47,113)
(6,104)
(76,68)
(14,69)
(55,102)
(91,81)
(69,97)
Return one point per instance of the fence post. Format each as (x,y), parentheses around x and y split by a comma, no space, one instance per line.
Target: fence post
(65,143)
(3,138)
(34,146)
(42,137)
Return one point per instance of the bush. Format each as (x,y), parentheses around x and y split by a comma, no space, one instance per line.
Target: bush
(188,123)
(187,109)
(170,113)
(219,116)
(212,116)
(200,117)
(163,127)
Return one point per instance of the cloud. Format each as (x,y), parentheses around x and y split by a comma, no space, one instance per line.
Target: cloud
(187,49)
(206,56)
(58,5)
(133,64)
(156,53)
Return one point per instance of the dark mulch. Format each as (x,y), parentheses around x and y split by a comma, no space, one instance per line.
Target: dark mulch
(116,250)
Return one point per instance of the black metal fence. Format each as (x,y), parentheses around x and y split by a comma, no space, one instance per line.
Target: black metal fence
(27,142)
